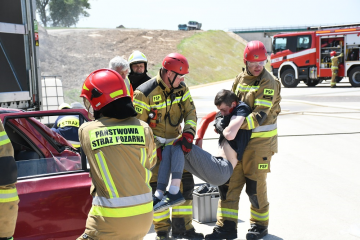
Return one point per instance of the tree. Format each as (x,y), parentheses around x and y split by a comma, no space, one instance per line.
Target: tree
(41,9)
(67,12)
(62,13)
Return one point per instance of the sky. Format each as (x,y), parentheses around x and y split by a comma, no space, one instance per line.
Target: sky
(219,14)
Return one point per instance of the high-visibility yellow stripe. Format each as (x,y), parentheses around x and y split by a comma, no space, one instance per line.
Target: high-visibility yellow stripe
(106,176)
(264,134)
(141,104)
(116,93)
(186,96)
(85,88)
(162,216)
(153,155)
(191,123)
(182,210)
(127,83)
(227,212)
(143,156)
(8,195)
(250,122)
(4,139)
(260,216)
(121,212)
(261,102)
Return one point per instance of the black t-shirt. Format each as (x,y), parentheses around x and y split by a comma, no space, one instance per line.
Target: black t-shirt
(243,136)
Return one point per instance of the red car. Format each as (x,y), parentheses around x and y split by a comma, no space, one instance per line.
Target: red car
(53,177)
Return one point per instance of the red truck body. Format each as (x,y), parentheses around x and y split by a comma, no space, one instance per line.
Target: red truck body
(305,56)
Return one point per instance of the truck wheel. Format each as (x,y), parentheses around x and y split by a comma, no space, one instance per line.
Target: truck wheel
(312,82)
(288,79)
(354,77)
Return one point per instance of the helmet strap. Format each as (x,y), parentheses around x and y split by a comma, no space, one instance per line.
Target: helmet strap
(172,82)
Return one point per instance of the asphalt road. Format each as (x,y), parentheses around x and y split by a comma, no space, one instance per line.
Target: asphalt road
(314,184)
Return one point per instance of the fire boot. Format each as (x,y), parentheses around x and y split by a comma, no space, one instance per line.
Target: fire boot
(227,231)
(256,232)
(162,236)
(179,230)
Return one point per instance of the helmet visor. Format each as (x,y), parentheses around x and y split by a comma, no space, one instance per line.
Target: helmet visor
(255,64)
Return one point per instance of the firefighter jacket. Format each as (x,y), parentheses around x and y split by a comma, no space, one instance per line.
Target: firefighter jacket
(68,127)
(262,94)
(335,62)
(121,154)
(8,194)
(172,106)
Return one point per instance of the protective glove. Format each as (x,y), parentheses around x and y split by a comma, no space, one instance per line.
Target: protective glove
(219,125)
(159,154)
(186,142)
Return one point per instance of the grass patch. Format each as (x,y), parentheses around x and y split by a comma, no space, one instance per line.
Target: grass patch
(72,95)
(213,56)
(153,71)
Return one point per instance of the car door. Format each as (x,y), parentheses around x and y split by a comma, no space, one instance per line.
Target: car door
(53,179)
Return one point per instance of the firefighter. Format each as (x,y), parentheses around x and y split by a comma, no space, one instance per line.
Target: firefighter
(165,102)
(121,66)
(9,199)
(68,126)
(138,69)
(120,150)
(260,90)
(334,67)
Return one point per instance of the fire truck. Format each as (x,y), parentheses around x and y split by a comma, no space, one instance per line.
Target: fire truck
(305,56)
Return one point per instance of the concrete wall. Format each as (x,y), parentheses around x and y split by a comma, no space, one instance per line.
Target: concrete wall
(263,37)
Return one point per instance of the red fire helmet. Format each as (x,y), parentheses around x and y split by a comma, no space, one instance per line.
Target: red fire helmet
(177,63)
(255,51)
(102,87)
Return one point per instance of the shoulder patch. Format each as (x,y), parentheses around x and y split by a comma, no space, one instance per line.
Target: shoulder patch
(147,87)
(269,91)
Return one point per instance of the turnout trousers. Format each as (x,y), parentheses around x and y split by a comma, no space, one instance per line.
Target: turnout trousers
(181,216)
(250,171)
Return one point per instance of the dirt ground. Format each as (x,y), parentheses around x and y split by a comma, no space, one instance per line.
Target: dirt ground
(74,53)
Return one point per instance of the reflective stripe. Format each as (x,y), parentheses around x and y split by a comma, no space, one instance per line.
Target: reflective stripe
(116,93)
(250,122)
(264,134)
(75,144)
(68,121)
(122,201)
(106,176)
(334,68)
(148,175)
(154,153)
(186,96)
(164,103)
(141,104)
(243,88)
(4,139)
(265,128)
(127,83)
(162,215)
(107,136)
(84,87)
(260,216)
(227,212)
(191,123)
(261,102)
(182,210)
(121,212)
(8,195)
(143,156)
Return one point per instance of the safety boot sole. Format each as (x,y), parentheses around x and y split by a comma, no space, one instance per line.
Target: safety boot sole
(252,236)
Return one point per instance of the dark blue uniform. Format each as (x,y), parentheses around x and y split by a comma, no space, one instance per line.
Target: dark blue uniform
(68,127)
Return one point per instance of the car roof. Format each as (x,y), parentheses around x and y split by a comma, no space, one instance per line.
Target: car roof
(9,110)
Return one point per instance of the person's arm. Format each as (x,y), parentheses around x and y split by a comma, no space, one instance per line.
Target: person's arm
(232,129)
(141,105)
(190,119)
(264,97)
